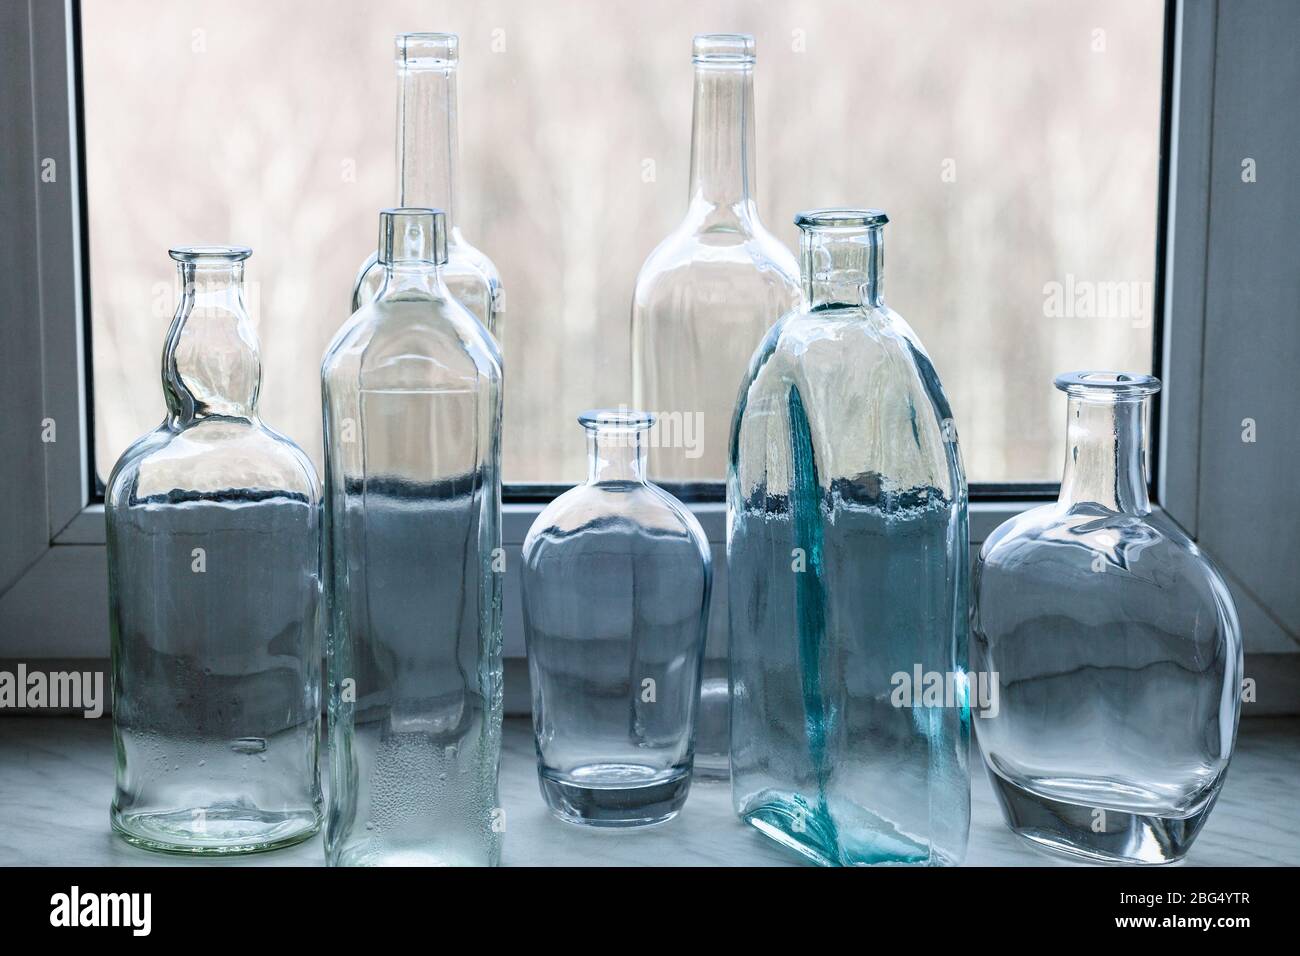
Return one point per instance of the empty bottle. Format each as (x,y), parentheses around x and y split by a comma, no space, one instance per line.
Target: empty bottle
(616,583)
(720,276)
(413,565)
(847,564)
(1116,647)
(428,153)
(213,570)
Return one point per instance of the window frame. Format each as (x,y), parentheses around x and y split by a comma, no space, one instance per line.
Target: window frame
(58,607)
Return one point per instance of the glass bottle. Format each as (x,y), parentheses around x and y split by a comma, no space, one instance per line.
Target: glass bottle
(1116,648)
(847,568)
(213,572)
(616,580)
(707,294)
(411,390)
(428,151)
(703,300)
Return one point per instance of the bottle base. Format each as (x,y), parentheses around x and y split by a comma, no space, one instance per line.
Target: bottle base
(226,831)
(615,795)
(385,854)
(794,822)
(1095,834)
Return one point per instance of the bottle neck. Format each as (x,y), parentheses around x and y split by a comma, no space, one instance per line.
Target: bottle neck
(842,268)
(412,246)
(211,364)
(616,455)
(722,138)
(1105,457)
(427,137)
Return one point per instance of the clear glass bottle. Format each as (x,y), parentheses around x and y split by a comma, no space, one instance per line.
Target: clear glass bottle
(708,293)
(704,299)
(1116,648)
(428,152)
(616,580)
(847,568)
(413,564)
(213,572)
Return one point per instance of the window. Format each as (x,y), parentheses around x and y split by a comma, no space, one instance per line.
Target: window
(1015,147)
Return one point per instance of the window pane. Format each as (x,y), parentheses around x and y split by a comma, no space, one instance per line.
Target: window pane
(1013,143)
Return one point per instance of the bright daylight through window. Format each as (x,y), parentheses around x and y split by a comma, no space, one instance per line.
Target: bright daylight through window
(1015,148)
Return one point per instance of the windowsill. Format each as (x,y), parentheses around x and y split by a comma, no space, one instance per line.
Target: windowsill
(56,806)
(87,528)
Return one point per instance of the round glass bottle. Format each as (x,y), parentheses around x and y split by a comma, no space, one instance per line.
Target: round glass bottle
(213,561)
(1115,646)
(428,153)
(847,563)
(616,581)
(413,565)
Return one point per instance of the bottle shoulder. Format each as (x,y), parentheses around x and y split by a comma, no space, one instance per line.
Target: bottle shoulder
(460,251)
(856,348)
(632,509)
(469,273)
(851,388)
(722,256)
(1090,534)
(1116,574)
(211,456)
(417,335)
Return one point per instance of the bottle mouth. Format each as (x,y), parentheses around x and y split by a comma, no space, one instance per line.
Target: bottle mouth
(428,51)
(616,420)
(212,255)
(1107,386)
(840,218)
(412,234)
(723,49)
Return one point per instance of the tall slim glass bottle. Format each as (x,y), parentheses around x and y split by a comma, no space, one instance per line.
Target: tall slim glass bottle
(847,564)
(412,418)
(213,572)
(703,300)
(707,294)
(428,152)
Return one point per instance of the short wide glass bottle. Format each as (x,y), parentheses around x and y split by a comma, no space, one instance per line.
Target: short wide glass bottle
(847,564)
(213,590)
(413,565)
(616,582)
(1116,648)
(428,153)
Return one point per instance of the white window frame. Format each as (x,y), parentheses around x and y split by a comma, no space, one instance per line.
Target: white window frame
(55,607)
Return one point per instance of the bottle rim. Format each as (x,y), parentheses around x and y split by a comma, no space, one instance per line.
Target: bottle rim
(1102,385)
(210,253)
(618,419)
(427,51)
(723,49)
(840,218)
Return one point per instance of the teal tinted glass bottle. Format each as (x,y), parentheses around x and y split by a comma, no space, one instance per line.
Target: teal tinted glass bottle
(847,569)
